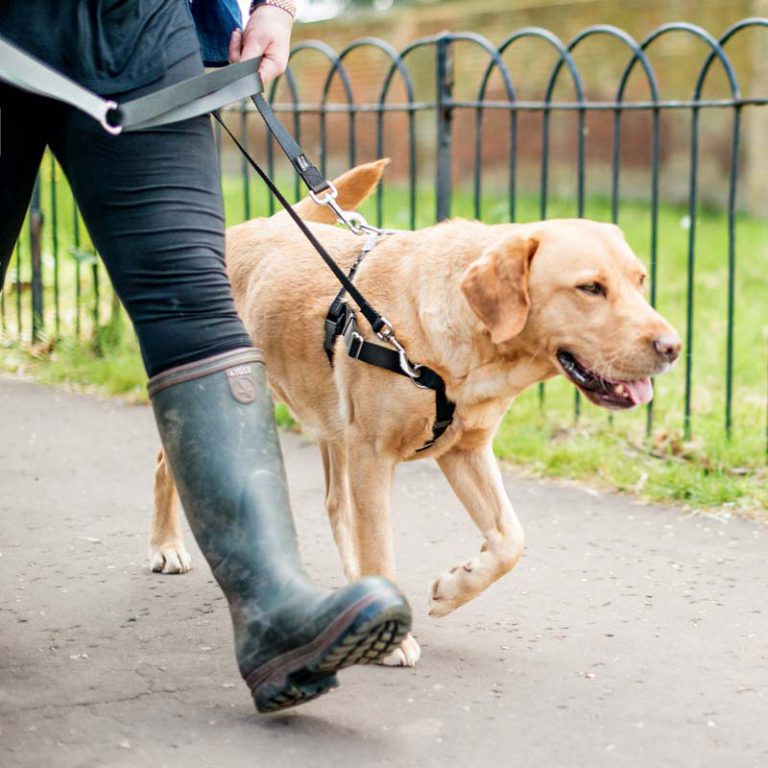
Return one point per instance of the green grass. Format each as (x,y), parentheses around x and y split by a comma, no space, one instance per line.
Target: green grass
(706,471)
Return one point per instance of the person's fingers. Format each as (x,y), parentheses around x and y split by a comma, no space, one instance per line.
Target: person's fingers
(253,45)
(270,68)
(235,46)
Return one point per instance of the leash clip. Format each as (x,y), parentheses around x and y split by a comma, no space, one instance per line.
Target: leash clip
(355,222)
(413,372)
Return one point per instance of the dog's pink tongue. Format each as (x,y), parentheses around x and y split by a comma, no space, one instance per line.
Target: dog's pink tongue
(641,391)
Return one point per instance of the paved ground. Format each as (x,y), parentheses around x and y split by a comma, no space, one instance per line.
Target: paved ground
(629,635)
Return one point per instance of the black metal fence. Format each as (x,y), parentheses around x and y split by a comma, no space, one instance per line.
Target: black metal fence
(455,114)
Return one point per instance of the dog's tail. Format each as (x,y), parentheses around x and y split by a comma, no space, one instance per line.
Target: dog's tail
(354,186)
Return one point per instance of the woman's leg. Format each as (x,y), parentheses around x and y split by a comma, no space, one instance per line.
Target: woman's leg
(152,203)
(21,148)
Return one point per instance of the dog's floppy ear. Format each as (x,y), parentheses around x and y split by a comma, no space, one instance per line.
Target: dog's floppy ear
(496,286)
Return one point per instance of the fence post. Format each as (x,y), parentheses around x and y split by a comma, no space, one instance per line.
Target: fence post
(444,125)
(35,251)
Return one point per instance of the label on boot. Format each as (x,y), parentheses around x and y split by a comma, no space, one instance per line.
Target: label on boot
(242,384)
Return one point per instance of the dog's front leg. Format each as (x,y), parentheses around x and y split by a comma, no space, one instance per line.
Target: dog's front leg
(167,553)
(370,482)
(475,477)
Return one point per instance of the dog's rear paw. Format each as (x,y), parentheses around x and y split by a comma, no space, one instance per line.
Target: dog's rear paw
(169,558)
(405,655)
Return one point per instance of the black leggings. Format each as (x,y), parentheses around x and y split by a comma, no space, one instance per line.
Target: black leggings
(152,203)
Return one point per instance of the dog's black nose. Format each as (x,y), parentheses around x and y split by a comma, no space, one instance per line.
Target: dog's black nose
(668,346)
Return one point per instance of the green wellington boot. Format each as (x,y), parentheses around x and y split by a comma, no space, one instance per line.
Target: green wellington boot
(291,637)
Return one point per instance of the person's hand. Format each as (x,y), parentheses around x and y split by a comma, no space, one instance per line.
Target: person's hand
(267,34)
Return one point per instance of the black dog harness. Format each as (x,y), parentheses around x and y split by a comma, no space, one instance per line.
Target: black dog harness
(341,322)
(208,93)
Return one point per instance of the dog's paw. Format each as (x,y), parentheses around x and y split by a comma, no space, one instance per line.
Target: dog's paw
(448,591)
(170,558)
(405,655)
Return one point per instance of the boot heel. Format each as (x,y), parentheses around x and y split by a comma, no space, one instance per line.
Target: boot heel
(297,689)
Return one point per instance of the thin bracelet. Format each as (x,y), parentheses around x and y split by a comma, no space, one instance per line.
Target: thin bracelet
(289,6)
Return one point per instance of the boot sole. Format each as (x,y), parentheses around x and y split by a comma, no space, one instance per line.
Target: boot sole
(363,634)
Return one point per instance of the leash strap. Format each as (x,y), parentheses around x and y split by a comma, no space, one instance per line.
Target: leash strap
(189,98)
(376,321)
(341,320)
(310,175)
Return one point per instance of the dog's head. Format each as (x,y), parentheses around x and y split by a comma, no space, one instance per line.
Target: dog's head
(574,291)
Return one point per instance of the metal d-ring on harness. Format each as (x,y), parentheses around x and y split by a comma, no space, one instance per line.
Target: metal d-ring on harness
(207,93)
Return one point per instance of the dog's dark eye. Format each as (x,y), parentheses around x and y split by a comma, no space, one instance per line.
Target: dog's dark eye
(594,289)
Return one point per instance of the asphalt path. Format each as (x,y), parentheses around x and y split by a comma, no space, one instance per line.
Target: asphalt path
(629,635)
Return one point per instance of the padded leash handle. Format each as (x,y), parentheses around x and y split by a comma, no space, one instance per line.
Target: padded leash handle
(189,98)
(23,71)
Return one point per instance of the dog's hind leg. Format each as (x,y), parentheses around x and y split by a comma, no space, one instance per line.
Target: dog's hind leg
(167,553)
(370,478)
(338,504)
(475,477)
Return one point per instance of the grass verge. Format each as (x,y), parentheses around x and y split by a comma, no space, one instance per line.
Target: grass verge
(607,455)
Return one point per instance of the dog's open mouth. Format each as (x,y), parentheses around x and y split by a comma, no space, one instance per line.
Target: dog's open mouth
(616,395)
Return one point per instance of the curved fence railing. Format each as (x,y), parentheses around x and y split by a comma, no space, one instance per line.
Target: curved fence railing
(523,129)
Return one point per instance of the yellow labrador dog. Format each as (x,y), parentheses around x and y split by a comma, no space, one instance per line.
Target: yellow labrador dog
(492,309)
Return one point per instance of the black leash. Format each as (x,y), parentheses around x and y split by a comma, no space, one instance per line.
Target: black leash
(341,320)
(378,322)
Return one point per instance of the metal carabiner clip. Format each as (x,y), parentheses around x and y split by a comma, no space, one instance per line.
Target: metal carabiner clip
(413,372)
(387,333)
(329,194)
(355,222)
